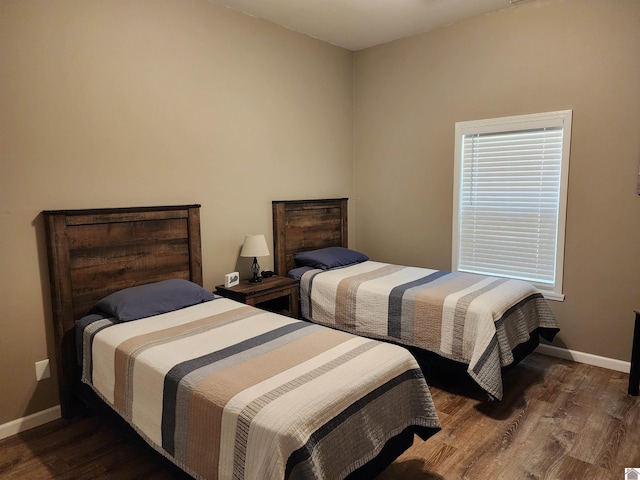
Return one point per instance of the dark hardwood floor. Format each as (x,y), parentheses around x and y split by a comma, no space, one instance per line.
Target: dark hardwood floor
(558,420)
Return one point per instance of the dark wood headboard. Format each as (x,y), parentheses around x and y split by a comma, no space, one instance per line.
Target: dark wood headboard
(93,253)
(301,225)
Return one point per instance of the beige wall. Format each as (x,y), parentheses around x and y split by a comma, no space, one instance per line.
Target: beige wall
(119,103)
(122,103)
(542,56)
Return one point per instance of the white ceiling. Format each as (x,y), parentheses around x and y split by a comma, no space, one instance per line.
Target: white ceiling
(358,24)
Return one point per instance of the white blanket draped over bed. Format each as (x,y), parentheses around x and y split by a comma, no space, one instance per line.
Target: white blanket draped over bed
(227,391)
(473,319)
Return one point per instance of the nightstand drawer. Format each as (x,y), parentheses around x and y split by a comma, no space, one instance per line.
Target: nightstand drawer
(275,294)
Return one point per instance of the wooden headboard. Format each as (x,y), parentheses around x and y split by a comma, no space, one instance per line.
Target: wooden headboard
(93,253)
(301,225)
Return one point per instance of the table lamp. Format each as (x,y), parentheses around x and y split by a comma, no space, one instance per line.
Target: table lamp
(255,246)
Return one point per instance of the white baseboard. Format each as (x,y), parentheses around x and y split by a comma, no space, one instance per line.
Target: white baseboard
(30,421)
(581,357)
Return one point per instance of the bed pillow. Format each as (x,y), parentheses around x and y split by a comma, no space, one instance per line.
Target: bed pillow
(151,299)
(328,258)
(296,273)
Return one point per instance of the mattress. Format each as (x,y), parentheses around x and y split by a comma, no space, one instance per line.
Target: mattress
(226,390)
(473,319)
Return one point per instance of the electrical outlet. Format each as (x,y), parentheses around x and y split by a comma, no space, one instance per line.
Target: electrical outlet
(42,370)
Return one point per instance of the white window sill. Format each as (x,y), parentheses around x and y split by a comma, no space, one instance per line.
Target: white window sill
(557,297)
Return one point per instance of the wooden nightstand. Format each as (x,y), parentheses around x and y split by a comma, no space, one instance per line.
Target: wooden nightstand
(275,294)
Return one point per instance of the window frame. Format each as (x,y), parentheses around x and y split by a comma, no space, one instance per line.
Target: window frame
(515,124)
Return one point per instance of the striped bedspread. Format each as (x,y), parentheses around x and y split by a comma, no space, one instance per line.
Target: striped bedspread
(227,391)
(473,319)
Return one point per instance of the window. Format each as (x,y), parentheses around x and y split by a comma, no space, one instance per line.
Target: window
(510,195)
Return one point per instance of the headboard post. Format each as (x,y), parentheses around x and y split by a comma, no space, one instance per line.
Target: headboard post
(195,245)
(301,225)
(62,307)
(279,244)
(93,253)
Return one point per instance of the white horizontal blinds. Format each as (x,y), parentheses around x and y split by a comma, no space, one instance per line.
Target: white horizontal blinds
(509,200)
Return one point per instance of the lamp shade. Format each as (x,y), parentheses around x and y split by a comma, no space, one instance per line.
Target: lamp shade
(254,246)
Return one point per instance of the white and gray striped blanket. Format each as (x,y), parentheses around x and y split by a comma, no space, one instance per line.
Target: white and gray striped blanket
(473,319)
(228,391)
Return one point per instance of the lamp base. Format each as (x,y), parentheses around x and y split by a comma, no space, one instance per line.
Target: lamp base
(255,269)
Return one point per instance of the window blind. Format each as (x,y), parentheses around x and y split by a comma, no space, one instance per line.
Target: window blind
(508,204)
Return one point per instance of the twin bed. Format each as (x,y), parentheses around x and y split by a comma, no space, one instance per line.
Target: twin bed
(222,389)
(453,322)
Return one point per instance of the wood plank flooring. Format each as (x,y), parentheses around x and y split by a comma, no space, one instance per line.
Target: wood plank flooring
(558,420)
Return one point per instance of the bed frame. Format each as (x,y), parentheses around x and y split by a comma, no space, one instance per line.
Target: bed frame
(93,253)
(301,225)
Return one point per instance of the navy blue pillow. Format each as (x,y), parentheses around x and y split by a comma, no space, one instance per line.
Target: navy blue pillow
(151,299)
(328,258)
(296,273)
